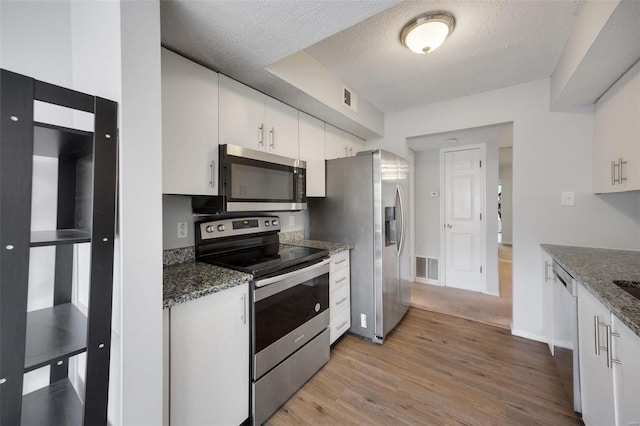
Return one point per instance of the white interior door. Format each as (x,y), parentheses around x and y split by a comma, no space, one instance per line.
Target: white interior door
(463,231)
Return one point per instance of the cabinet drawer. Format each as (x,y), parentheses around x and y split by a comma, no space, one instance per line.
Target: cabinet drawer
(339,260)
(339,279)
(339,299)
(340,323)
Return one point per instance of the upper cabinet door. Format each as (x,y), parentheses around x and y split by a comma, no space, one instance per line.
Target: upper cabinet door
(630,140)
(336,143)
(340,144)
(282,129)
(189,127)
(312,151)
(242,115)
(616,136)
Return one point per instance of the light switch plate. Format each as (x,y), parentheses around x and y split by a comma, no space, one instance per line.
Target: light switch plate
(568,198)
(183,230)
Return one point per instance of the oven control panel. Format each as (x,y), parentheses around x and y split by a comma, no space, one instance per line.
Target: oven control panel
(238,226)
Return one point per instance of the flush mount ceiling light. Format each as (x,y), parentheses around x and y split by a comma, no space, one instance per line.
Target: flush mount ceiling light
(426,33)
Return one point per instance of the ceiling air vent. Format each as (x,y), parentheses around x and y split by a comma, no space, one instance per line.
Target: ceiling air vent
(349,99)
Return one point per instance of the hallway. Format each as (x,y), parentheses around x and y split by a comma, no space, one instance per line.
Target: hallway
(471,305)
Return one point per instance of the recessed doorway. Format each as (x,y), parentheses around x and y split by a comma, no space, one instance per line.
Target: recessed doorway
(492,304)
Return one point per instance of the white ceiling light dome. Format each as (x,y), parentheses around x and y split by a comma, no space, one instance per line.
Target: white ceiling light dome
(427,32)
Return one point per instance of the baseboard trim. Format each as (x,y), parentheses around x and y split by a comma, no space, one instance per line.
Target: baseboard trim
(528,335)
(428,281)
(492,293)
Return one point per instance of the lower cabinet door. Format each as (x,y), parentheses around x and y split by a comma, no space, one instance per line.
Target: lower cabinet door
(340,323)
(626,374)
(209,359)
(596,380)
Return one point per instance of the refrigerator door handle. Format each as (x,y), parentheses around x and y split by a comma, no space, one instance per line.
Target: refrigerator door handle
(400,245)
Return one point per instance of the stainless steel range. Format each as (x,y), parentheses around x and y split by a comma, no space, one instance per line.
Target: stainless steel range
(290,303)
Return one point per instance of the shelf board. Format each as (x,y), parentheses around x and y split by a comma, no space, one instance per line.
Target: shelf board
(53,333)
(59,236)
(56,404)
(55,141)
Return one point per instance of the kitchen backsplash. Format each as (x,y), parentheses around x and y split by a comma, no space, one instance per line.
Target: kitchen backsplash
(289,236)
(177,208)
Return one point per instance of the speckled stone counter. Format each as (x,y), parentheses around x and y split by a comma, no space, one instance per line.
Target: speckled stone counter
(190,280)
(596,269)
(325,245)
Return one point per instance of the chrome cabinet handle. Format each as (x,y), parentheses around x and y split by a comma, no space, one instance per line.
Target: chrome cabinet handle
(272,135)
(622,177)
(340,261)
(610,334)
(341,279)
(261,134)
(342,325)
(546,270)
(244,308)
(350,151)
(212,176)
(346,151)
(613,173)
(341,301)
(596,325)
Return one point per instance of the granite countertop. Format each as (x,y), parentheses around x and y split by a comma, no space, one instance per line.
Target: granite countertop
(325,245)
(596,269)
(187,281)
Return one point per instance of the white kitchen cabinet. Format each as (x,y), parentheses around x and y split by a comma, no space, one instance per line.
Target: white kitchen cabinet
(251,119)
(165,367)
(311,131)
(339,295)
(340,144)
(189,127)
(616,136)
(547,298)
(626,374)
(209,359)
(595,376)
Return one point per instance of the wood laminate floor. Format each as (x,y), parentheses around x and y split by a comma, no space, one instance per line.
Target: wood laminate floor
(434,369)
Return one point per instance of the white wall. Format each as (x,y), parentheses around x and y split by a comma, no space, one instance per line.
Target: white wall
(110,49)
(141,213)
(551,154)
(427,209)
(506,179)
(428,226)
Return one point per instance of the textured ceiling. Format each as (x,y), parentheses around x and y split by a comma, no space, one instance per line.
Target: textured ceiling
(239,38)
(494,44)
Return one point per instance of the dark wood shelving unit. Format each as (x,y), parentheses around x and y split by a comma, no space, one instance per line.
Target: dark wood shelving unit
(85,213)
(59,236)
(53,334)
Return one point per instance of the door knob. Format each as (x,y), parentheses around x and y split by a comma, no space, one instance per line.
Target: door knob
(449,226)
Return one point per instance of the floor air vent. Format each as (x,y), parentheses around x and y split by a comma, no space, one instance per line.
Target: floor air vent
(432,269)
(421,267)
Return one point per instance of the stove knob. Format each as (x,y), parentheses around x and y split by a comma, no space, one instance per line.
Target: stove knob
(274,222)
(220,228)
(267,223)
(210,228)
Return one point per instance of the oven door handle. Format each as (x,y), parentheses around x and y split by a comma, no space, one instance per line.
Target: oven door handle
(293,274)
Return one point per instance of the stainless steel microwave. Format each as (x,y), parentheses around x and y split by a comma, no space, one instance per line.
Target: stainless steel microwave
(251,180)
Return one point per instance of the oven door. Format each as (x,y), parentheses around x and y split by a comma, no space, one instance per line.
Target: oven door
(253,180)
(289,311)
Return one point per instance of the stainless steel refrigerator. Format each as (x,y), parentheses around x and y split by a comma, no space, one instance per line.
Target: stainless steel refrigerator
(367,204)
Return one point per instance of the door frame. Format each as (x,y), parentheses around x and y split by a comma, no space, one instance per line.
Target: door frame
(483,190)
